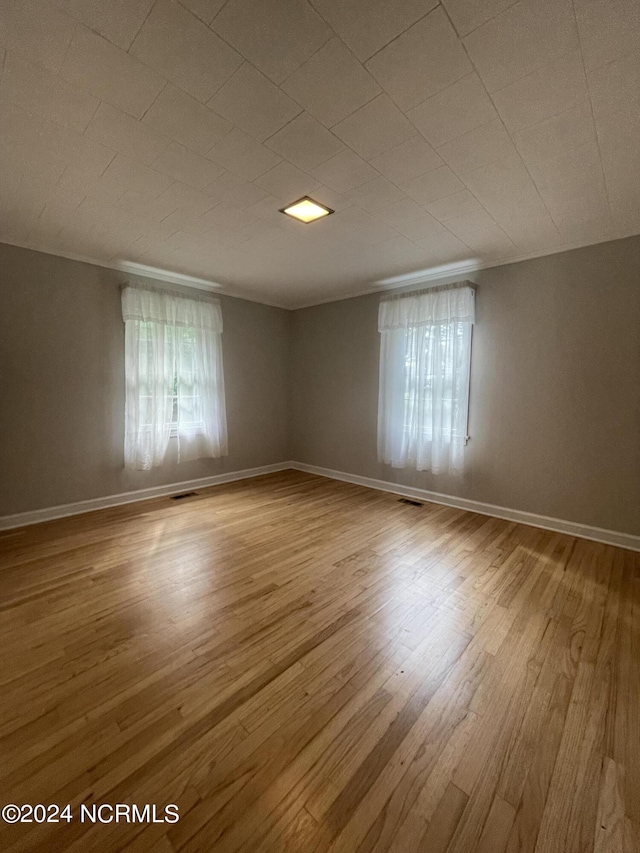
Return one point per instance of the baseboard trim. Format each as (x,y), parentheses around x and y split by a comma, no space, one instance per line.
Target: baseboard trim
(22,519)
(583,531)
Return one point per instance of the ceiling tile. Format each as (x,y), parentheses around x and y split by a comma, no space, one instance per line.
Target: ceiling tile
(483,236)
(180,220)
(149,227)
(253,103)
(425,59)
(186,198)
(331,84)
(139,247)
(344,172)
(552,137)
(585,208)
(87,157)
(235,191)
(124,174)
(126,135)
(139,204)
(433,185)
(407,160)
(286,183)
(375,128)
(478,148)
(373,232)
(105,191)
(375,194)
(570,173)
(118,20)
(305,142)
(521,39)
(447,248)
(43,232)
(37,29)
(615,86)
(592,231)
(368,25)
(502,185)
(331,198)
(453,205)
(94,64)
(59,203)
(242,155)
(45,94)
(191,244)
(283,33)
(9,177)
(206,10)
(456,110)
(625,218)
(545,93)
(186,120)
(18,128)
(531,229)
(400,212)
(618,130)
(184,50)
(468,15)
(477,220)
(227,217)
(608,29)
(400,255)
(117,235)
(185,166)
(354,219)
(24,147)
(111,161)
(35,189)
(267,209)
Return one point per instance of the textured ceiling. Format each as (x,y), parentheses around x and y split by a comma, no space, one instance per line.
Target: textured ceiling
(169,133)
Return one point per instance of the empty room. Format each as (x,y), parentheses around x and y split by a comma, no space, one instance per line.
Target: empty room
(320,426)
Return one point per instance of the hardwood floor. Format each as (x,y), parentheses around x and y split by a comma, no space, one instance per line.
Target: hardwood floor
(305,665)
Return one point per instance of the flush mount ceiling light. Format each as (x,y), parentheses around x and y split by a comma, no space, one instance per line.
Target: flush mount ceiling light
(306,210)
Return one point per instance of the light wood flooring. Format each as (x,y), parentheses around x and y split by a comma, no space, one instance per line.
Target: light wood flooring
(304,665)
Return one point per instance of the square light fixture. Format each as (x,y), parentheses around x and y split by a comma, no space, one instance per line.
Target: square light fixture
(306,210)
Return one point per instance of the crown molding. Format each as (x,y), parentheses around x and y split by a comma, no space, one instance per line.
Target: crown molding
(451,272)
(155,273)
(441,274)
(158,274)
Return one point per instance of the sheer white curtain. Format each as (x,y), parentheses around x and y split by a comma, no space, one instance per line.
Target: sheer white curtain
(424,378)
(174,376)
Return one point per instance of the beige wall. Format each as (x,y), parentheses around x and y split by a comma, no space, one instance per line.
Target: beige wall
(62,369)
(555,399)
(555,389)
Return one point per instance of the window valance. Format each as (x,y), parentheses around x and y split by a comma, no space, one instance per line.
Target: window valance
(432,307)
(152,305)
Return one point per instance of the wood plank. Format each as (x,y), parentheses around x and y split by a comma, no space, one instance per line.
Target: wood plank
(299,663)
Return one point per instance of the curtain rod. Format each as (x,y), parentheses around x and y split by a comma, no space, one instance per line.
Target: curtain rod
(438,288)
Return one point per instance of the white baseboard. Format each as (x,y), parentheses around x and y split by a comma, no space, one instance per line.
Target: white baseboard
(584,531)
(21,519)
(597,534)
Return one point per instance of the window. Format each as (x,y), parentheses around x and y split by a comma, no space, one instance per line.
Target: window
(425,358)
(174,377)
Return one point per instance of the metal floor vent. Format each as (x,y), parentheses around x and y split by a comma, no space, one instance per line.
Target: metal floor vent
(408,501)
(183,495)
